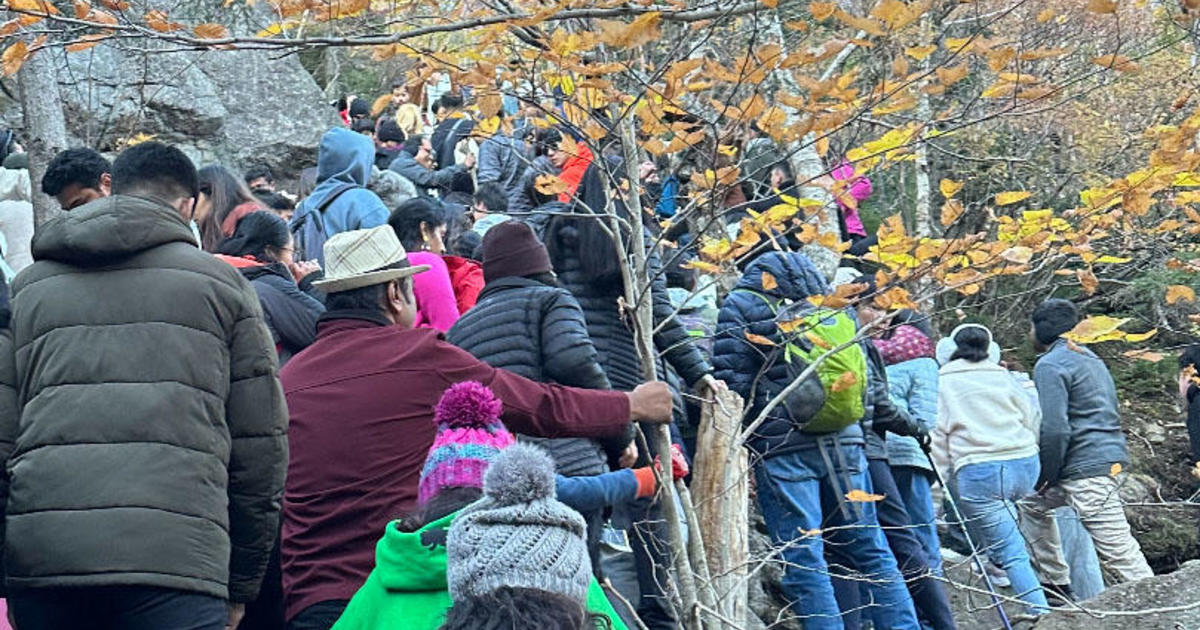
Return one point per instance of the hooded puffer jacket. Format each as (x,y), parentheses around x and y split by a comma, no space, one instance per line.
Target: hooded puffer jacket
(345,158)
(152,441)
(539,332)
(758,373)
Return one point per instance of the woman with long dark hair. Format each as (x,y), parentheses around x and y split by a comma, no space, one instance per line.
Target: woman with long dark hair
(261,248)
(224,199)
(421,225)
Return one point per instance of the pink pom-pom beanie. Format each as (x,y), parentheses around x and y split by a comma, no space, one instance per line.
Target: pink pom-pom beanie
(469,436)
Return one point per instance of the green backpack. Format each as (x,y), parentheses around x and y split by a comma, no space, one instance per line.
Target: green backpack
(843,374)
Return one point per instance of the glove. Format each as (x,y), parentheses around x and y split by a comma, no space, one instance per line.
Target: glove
(647,483)
(679,463)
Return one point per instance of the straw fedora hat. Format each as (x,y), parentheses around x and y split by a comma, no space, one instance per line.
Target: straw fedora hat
(359,258)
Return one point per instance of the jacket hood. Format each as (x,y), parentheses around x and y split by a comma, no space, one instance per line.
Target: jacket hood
(345,157)
(413,561)
(109,229)
(14,185)
(796,276)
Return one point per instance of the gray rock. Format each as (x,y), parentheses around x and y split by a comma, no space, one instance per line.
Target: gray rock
(233,107)
(1175,595)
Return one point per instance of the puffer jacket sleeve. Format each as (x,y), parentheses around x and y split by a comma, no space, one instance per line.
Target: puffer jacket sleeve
(293,314)
(257,417)
(671,339)
(735,359)
(568,356)
(10,411)
(923,393)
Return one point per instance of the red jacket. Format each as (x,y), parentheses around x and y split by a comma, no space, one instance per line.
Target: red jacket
(573,170)
(361,404)
(466,276)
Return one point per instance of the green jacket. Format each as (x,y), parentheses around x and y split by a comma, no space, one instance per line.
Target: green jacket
(409,584)
(151,445)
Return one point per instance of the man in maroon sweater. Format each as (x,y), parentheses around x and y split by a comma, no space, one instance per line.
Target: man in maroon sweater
(361,403)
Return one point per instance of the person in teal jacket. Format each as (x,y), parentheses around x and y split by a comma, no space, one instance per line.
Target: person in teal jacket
(409,582)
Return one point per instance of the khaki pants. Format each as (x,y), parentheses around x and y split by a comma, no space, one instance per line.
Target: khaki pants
(1103,516)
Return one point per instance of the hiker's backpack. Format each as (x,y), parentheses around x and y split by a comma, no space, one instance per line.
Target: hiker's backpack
(816,333)
(308,228)
(820,404)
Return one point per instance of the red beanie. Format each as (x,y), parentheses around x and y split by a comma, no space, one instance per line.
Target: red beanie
(512,249)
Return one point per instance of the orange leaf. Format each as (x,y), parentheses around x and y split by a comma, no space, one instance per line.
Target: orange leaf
(115,5)
(844,382)
(770,4)
(13,58)
(158,21)
(1180,293)
(1115,470)
(861,496)
(951,211)
(1102,6)
(950,76)
(86,42)
(758,339)
(82,9)
(1087,280)
(769,282)
(209,30)
(550,185)
(1120,63)
(821,10)
(1045,16)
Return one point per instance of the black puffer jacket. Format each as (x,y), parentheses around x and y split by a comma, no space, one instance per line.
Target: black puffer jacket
(152,442)
(538,331)
(612,337)
(755,372)
(291,312)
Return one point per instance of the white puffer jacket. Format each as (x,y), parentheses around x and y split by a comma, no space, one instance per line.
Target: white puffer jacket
(16,217)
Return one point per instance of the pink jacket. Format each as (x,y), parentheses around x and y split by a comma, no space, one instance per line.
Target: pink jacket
(860,189)
(437,307)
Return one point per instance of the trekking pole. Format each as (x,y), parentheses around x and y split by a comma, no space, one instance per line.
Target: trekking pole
(962,522)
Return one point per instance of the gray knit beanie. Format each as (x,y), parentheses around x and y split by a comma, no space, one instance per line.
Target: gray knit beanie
(518,535)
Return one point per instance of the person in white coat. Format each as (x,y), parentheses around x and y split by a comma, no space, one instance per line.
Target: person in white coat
(16,213)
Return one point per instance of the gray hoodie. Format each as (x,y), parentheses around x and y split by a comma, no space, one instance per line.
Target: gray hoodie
(1081,432)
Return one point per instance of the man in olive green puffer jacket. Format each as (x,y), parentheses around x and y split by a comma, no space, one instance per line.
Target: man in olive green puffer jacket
(146,448)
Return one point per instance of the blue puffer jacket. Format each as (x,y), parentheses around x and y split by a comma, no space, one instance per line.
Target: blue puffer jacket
(740,363)
(913,386)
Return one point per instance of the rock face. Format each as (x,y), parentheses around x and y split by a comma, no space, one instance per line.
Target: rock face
(1177,593)
(233,107)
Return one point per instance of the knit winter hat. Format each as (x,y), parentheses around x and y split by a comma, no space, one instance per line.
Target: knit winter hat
(470,436)
(512,249)
(1052,318)
(518,535)
(906,343)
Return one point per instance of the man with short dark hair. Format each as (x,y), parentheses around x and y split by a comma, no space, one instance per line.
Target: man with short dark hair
(77,176)
(146,470)
(490,207)
(1082,449)
(361,401)
(259,179)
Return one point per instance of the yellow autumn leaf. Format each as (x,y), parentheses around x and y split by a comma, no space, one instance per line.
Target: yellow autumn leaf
(949,187)
(550,185)
(844,382)
(769,282)
(14,57)
(821,10)
(920,52)
(1180,293)
(862,496)
(956,44)
(951,211)
(1186,180)
(1140,337)
(1115,470)
(1113,260)
(1095,327)
(1088,281)
(1045,16)
(1142,354)
(705,267)
(952,75)
(1117,62)
(1011,197)
(1018,255)
(1102,6)
(209,30)
(758,339)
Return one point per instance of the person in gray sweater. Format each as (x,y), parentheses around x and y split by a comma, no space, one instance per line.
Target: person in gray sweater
(1082,451)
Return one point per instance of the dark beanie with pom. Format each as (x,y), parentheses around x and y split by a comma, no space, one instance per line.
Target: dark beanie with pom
(518,535)
(1052,318)
(512,249)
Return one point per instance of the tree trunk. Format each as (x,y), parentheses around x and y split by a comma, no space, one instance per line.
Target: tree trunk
(45,127)
(333,73)
(722,488)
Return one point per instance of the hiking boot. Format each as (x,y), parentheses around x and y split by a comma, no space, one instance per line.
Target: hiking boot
(1058,594)
(996,575)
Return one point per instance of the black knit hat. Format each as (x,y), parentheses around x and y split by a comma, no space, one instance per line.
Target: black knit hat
(1052,318)
(359,108)
(512,249)
(389,131)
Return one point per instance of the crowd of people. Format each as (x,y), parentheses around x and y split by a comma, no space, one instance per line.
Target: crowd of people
(408,396)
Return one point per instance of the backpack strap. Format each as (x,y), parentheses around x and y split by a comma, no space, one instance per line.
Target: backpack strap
(332,197)
(771,304)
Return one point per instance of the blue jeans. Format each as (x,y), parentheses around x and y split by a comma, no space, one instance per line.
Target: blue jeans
(799,499)
(916,490)
(988,493)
